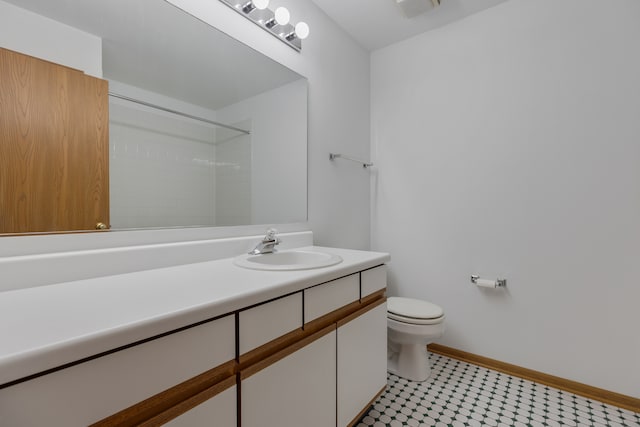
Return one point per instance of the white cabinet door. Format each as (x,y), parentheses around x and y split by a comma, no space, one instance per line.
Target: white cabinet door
(219,411)
(362,362)
(298,390)
(327,297)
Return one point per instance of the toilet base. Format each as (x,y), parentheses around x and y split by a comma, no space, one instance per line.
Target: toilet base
(409,361)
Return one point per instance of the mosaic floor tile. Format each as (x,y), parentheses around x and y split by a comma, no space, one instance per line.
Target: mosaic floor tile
(460,394)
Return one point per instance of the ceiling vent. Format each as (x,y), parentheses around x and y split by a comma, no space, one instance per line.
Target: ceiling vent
(412,8)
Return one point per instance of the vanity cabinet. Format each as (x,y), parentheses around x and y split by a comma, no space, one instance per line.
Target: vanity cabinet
(54,128)
(314,358)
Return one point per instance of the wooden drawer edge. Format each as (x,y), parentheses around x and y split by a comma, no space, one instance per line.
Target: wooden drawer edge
(190,403)
(163,401)
(374,296)
(332,317)
(269,348)
(362,311)
(265,363)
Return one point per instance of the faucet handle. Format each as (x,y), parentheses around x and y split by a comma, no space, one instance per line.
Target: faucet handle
(271,234)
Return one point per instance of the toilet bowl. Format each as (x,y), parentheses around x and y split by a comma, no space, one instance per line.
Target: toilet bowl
(411,325)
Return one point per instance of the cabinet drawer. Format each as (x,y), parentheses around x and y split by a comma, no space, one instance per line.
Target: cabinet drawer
(373,280)
(219,411)
(90,391)
(266,322)
(322,299)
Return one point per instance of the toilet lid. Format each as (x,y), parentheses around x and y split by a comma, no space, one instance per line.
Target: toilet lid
(413,308)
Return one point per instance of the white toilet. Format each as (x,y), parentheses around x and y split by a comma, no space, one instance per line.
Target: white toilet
(411,325)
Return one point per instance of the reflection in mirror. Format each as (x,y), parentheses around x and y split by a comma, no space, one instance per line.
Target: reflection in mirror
(180,170)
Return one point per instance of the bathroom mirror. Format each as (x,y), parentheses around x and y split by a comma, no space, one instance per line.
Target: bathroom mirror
(204,131)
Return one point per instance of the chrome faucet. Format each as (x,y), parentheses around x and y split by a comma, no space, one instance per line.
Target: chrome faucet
(268,243)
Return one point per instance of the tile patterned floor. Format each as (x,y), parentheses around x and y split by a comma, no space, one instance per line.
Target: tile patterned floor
(459,394)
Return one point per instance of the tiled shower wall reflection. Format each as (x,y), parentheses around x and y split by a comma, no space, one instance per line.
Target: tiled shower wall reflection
(170,171)
(233,176)
(164,170)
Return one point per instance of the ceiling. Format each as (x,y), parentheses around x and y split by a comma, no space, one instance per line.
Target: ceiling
(378,23)
(146,43)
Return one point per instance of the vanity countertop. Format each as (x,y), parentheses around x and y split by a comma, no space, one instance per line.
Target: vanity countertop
(49,326)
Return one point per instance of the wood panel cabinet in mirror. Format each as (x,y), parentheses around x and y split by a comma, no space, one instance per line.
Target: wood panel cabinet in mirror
(54,132)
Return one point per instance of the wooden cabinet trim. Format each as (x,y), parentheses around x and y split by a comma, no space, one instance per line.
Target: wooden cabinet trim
(374,296)
(362,311)
(332,317)
(189,403)
(269,348)
(164,402)
(265,363)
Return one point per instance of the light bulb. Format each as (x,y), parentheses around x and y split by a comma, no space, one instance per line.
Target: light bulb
(282,16)
(302,30)
(261,4)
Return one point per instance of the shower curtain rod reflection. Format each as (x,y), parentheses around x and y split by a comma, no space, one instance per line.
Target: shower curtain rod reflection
(179,113)
(364,164)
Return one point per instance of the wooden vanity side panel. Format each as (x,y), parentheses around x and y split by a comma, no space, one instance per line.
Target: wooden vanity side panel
(54,147)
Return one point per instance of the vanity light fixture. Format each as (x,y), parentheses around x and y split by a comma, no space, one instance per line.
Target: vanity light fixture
(276,23)
(282,16)
(257,4)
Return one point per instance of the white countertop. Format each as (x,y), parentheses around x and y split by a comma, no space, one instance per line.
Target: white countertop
(48,326)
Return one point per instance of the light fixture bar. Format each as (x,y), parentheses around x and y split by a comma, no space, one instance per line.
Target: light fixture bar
(265,18)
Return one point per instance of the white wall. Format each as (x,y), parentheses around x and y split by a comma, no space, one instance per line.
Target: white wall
(53,41)
(508,145)
(275,196)
(338,73)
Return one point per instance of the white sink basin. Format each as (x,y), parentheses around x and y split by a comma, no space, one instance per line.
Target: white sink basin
(288,260)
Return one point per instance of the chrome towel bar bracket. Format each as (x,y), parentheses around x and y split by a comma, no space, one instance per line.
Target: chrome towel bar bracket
(333,156)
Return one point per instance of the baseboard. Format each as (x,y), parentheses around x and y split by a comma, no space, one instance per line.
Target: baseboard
(605,396)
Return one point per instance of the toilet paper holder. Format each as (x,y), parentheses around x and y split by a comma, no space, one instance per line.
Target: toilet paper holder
(498,283)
